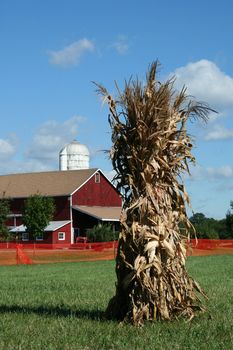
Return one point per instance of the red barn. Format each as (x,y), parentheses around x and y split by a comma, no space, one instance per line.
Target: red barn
(83,198)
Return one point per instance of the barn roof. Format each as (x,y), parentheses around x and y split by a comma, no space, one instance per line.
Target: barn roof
(52,226)
(100,213)
(52,183)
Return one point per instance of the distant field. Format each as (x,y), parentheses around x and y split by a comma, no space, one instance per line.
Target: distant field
(61,307)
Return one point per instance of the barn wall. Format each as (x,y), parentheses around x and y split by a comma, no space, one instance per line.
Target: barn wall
(99,194)
(62,208)
(16,207)
(66,229)
(14,222)
(47,239)
(62,211)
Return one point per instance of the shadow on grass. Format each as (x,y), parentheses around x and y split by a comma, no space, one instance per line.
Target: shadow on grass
(54,311)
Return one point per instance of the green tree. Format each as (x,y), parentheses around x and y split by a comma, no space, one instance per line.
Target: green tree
(38,211)
(229,222)
(222,230)
(101,233)
(205,227)
(4,212)
(151,149)
(197,218)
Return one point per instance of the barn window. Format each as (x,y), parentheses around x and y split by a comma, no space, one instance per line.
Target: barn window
(61,236)
(40,237)
(97,178)
(25,236)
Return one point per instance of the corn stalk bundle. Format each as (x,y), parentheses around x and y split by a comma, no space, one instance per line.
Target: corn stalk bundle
(151,149)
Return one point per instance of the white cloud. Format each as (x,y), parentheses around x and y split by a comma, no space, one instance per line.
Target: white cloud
(42,154)
(51,137)
(223,172)
(206,82)
(71,55)
(121,45)
(15,166)
(7,149)
(199,173)
(219,132)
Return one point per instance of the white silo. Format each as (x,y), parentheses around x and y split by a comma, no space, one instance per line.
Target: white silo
(74,156)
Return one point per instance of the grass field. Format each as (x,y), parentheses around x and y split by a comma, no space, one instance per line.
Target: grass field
(61,306)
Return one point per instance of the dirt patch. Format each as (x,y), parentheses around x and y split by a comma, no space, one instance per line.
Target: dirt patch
(8,257)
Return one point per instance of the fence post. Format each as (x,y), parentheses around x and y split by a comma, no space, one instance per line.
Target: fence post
(17,254)
(114,249)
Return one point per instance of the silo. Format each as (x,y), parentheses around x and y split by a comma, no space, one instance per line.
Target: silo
(74,156)
(63,159)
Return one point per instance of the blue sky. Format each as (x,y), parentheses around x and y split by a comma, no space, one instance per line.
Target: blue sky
(52,50)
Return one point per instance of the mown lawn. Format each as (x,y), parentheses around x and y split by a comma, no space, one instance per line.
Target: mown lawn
(61,306)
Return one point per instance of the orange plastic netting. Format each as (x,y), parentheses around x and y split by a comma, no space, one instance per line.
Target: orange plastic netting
(39,253)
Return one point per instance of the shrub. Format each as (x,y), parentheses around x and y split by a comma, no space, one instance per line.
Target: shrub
(101,233)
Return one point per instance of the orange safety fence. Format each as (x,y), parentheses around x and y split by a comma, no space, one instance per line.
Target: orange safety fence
(97,246)
(21,256)
(12,253)
(210,247)
(202,243)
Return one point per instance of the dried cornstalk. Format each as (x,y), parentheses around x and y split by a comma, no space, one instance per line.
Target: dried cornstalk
(151,149)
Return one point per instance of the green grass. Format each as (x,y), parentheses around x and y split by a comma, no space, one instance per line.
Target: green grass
(60,306)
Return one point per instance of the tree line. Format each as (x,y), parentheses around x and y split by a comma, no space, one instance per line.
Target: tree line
(211,228)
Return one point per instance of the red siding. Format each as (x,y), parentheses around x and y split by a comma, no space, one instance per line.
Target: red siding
(17,205)
(62,211)
(100,194)
(66,229)
(47,239)
(14,221)
(62,208)
(51,237)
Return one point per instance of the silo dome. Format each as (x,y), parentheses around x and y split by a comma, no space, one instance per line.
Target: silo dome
(74,156)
